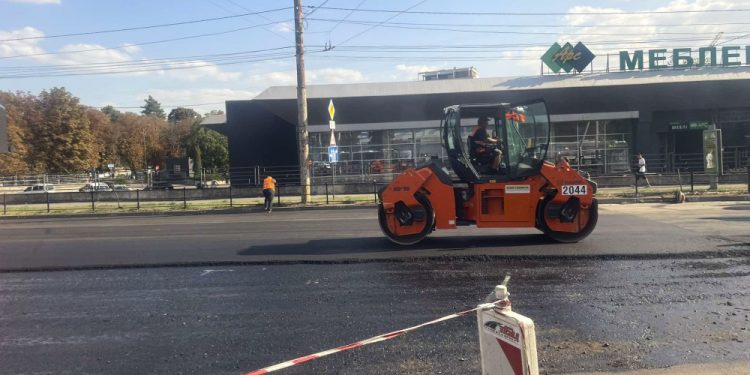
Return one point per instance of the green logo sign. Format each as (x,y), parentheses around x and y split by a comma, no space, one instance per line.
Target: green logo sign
(568,57)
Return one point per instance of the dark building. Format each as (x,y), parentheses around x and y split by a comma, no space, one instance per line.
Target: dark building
(599,121)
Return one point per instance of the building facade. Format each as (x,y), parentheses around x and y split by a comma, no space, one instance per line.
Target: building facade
(599,121)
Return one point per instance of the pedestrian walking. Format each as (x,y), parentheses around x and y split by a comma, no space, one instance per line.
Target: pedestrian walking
(269,189)
(641,170)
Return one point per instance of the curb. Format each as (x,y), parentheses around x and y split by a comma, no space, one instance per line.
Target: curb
(222,211)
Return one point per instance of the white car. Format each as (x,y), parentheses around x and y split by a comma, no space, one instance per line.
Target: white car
(95,186)
(40,188)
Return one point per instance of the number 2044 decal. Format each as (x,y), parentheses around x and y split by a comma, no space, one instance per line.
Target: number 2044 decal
(574,189)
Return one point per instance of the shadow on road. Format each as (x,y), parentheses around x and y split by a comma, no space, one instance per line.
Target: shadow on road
(729,218)
(381,244)
(738,207)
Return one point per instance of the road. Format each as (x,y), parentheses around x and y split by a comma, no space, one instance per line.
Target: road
(590,315)
(655,285)
(337,235)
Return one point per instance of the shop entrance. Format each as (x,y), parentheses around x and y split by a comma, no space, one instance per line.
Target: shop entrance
(678,149)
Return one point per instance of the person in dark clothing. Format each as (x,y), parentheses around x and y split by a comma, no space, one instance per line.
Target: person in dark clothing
(481,145)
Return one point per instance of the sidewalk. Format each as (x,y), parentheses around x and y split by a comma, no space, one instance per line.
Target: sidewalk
(721,368)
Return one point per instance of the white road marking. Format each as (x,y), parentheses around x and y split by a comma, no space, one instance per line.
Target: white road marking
(206,272)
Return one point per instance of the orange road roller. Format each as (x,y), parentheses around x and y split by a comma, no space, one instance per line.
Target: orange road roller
(499,178)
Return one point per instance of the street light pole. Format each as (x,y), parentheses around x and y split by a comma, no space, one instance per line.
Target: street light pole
(302,142)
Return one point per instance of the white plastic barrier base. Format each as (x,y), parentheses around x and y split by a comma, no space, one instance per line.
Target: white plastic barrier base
(507,340)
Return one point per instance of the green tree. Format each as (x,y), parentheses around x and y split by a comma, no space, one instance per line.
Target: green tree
(152,108)
(112,113)
(61,142)
(208,148)
(180,114)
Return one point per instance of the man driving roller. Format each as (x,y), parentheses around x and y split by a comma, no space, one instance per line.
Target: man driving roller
(482,145)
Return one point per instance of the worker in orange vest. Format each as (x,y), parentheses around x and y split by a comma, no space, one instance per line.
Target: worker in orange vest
(269,188)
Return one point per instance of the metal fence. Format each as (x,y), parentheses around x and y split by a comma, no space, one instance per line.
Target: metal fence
(180,199)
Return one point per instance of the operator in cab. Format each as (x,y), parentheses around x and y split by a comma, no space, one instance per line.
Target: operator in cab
(482,145)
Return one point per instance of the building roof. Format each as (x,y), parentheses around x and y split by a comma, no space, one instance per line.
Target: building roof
(509,83)
(214,120)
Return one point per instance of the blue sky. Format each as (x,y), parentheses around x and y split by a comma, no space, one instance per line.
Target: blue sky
(354,60)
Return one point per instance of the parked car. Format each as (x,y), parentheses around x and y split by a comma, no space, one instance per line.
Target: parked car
(160,185)
(40,188)
(95,186)
(121,188)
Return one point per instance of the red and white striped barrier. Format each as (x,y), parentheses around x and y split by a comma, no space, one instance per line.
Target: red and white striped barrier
(371,340)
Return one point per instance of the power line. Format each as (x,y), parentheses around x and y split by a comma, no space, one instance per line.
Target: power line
(144,43)
(249,10)
(380,23)
(145,27)
(527,25)
(485,31)
(456,13)
(160,68)
(163,105)
(346,17)
(191,58)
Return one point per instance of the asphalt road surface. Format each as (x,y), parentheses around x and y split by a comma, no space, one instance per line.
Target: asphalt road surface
(653,286)
(336,235)
(590,315)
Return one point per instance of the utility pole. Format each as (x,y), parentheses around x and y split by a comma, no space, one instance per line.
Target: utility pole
(302,144)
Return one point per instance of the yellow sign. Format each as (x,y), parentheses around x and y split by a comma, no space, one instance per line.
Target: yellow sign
(331,109)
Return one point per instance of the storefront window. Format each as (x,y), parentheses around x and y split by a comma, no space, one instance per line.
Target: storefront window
(599,147)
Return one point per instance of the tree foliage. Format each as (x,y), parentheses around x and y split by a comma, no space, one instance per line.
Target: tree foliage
(152,108)
(180,114)
(54,133)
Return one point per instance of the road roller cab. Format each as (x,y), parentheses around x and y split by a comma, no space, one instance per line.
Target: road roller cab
(524,191)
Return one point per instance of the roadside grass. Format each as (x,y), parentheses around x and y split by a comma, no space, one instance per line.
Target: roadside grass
(172,205)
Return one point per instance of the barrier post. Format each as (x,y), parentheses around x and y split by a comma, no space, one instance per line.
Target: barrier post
(184,198)
(47,194)
(137,199)
(507,340)
(748,179)
(278,195)
(375,190)
(636,184)
(327,192)
(231,204)
(93,207)
(5,208)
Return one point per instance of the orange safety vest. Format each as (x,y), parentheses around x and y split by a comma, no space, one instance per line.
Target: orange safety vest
(269,183)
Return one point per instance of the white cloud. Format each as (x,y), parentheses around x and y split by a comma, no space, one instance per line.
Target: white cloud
(131,48)
(335,75)
(94,54)
(198,96)
(20,47)
(94,58)
(314,76)
(410,72)
(200,69)
(35,2)
(283,27)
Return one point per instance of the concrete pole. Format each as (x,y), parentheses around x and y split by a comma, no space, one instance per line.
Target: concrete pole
(302,142)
